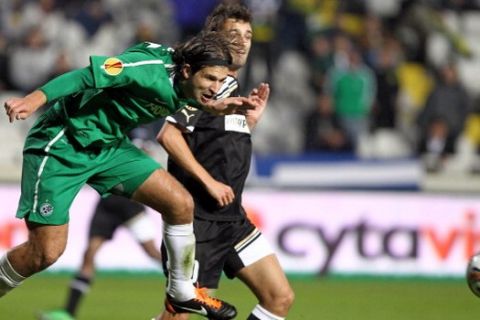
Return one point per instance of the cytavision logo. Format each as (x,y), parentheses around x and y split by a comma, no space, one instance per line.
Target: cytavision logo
(398,243)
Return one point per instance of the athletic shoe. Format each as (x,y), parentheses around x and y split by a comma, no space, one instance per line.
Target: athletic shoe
(55,315)
(202,304)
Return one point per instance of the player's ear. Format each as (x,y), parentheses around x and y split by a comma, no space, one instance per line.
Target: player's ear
(186,71)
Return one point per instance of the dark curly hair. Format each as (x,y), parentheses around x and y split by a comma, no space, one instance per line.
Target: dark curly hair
(204,49)
(222,12)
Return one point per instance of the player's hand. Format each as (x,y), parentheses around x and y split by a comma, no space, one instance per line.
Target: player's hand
(22,108)
(16,109)
(229,105)
(220,192)
(262,92)
(259,97)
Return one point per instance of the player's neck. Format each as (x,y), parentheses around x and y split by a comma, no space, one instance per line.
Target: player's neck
(233,72)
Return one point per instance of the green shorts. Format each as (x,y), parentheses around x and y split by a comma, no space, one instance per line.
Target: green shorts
(53,175)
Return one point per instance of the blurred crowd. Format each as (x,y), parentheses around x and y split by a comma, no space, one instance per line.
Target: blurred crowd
(372,78)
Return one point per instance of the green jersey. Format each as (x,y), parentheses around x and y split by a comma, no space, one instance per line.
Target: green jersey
(101,103)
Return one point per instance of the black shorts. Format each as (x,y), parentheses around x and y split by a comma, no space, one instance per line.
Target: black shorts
(226,246)
(112,212)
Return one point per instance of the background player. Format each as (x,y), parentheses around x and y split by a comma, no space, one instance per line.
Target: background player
(82,139)
(210,155)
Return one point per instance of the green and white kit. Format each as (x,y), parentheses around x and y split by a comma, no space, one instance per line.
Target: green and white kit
(82,139)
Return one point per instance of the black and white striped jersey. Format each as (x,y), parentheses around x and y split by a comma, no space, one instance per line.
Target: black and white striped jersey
(222,145)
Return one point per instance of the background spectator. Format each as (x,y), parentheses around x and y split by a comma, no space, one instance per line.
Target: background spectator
(442,120)
(264,14)
(191,21)
(5,83)
(323,131)
(353,91)
(92,16)
(321,59)
(32,60)
(384,114)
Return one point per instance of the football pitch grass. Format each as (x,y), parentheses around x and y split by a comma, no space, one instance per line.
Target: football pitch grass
(132,296)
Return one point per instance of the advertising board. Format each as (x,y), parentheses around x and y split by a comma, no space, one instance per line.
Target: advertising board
(342,232)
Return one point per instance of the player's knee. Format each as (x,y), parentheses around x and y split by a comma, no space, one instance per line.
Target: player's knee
(287,298)
(180,209)
(185,206)
(281,301)
(188,205)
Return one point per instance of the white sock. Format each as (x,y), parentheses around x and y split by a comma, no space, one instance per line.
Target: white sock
(9,278)
(263,314)
(180,244)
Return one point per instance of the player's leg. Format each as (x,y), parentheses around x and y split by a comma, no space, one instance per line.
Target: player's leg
(268,282)
(51,178)
(101,229)
(164,194)
(212,248)
(45,244)
(166,315)
(134,174)
(82,282)
(254,263)
(79,285)
(108,216)
(143,231)
(150,248)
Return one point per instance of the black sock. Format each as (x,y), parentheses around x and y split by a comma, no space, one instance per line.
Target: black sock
(252,317)
(78,287)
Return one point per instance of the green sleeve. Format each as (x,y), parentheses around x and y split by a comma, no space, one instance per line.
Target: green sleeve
(68,83)
(138,66)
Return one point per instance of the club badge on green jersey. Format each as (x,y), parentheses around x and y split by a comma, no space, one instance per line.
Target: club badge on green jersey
(46,209)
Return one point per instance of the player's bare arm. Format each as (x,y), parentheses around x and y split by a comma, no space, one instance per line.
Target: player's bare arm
(22,108)
(229,105)
(171,139)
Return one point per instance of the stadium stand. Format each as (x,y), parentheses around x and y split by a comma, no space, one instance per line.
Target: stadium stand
(422,35)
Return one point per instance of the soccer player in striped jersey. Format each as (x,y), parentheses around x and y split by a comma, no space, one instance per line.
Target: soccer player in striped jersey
(82,139)
(210,155)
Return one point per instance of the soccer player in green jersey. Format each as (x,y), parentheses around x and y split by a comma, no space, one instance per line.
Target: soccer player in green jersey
(82,139)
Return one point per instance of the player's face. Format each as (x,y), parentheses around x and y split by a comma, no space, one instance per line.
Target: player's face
(240,34)
(205,83)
